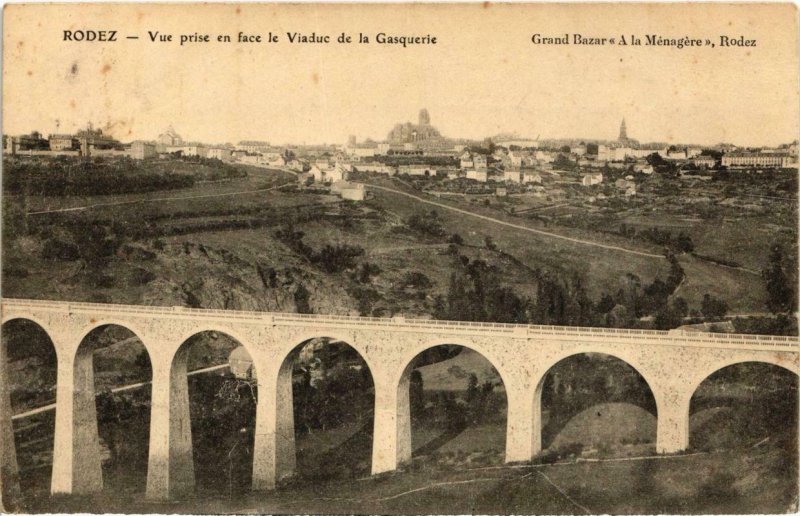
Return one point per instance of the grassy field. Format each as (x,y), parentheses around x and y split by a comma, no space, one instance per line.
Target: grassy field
(736,482)
(602,268)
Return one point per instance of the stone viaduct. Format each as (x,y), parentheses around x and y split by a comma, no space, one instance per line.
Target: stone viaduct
(672,363)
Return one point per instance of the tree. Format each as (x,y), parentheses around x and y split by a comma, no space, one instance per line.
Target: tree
(655,160)
(301,300)
(416,390)
(366,271)
(683,243)
(605,304)
(671,316)
(713,307)
(472,387)
(781,297)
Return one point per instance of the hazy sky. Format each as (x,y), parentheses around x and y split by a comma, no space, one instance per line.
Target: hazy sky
(483,77)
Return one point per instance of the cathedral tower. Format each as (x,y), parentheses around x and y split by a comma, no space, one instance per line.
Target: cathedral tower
(424,117)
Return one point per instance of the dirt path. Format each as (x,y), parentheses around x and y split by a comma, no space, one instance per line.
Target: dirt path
(517,226)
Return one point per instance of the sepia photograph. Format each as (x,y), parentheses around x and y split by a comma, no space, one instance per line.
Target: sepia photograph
(354,258)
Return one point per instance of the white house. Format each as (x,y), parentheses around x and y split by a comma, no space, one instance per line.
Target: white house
(316,173)
(478,175)
(349,191)
(592,178)
(241,364)
(511,176)
(466,160)
(532,177)
(219,153)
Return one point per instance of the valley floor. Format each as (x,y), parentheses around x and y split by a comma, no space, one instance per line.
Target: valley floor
(753,480)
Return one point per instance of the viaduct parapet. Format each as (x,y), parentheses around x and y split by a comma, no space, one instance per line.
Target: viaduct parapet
(672,363)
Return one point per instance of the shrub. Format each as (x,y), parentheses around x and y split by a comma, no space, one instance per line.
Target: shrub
(719,488)
(337,258)
(456,239)
(55,249)
(415,280)
(140,277)
(15,272)
(102,280)
(427,224)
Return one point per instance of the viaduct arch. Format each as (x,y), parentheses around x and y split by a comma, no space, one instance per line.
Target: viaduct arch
(625,358)
(673,364)
(403,402)
(9,467)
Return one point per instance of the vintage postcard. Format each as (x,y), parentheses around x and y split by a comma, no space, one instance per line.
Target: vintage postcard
(400,258)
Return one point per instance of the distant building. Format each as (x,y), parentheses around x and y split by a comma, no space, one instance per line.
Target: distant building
(515,159)
(416,170)
(329,175)
(143,150)
(241,364)
(189,150)
(479,161)
(219,153)
(756,159)
(532,177)
(478,175)
(376,168)
(170,138)
(704,162)
(316,173)
(465,161)
(421,135)
(545,156)
(95,139)
(349,191)
(337,173)
(323,163)
(295,164)
(62,142)
(362,150)
(592,178)
(253,146)
(675,154)
(624,139)
(511,176)
(32,141)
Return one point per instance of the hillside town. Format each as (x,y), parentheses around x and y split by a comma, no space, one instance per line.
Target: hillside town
(616,236)
(505,164)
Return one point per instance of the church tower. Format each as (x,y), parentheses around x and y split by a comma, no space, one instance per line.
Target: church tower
(424,117)
(623,131)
